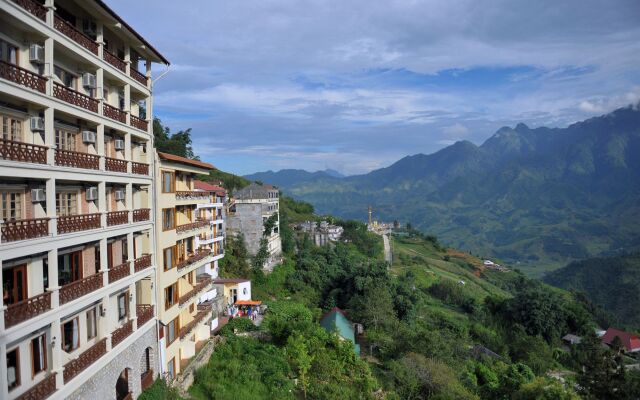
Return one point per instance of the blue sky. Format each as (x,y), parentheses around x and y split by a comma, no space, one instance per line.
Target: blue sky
(356,85)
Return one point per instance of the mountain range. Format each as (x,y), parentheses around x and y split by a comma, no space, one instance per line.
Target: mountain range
(534,198)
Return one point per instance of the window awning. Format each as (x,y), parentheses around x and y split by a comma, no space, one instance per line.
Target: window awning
(248,302)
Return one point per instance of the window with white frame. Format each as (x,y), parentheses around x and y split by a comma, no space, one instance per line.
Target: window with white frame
(39,354)
(11,205)
(66,203)
(66,139)
(66,78)
(11,127)
(8,52)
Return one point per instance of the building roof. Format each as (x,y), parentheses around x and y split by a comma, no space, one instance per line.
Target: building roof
(187,161)
(571,338)
(130,29)
(629,341)
(336,321)
(230,280)
(208,187)
(255,191)
(248,302)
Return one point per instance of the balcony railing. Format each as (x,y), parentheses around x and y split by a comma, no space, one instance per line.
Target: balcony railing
(198,318)
(79,288)
(33,7)
(189,194)
(141,263)
(75,366)
(27,309)
(117,218)
(25,152)
(75,223)
(137,75)
(113,60)
(23,77)
(22,229)
(76,98)
(121,333)
(114,113)
(140,168)
(119,271)
(139,123)
(115,165)
(197,256)
(75,35)
(41,390)
(200,284)
(144,312)
(141,214)
(76,159)
(191,226)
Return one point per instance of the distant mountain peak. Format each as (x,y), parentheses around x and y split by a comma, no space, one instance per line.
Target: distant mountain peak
(522,127)
(333,172)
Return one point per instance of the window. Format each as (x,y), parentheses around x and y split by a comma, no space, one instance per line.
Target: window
(168,219)
(71,335)
(66,203)
(69,267)
(171,368)
(10,128)
(169,258)
(13,368)
(92,327)
(11,203)
(170,296)
(168,182)
(38,354)
(172,331)
(65,77)
(123,306)
(14,283)
(8,52)
(66,139)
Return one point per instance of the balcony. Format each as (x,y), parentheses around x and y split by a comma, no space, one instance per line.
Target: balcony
(191,195)
(197,256)
(121,333)
(198,318)
(115,165)
(201,283)
(23,229)
(76,159)
(76,223)
(144,312)
(139,123)
(119,271)
(79,288)
(35,8)
(73,97)
(138,76)
(23,152)
(141,263)
(114,60)
(27,309)
(191,226)
(140,168)
(114,113)
(74,367)
(71,32)
(23,77)
(141,214)
(117,218)
(41,390)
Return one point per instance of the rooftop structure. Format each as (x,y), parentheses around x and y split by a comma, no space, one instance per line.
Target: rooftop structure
(336,321)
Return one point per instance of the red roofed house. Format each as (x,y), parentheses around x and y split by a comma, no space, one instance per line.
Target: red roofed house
(630,342)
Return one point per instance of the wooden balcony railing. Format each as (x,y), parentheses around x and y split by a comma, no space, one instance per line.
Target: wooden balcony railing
(75,223)
(191,226)
(144,312)
(198,318)
(23,77)
(140,168)
(33,7)
(142,262)
(201,284)
(146,379)
(114,113)
(141,214)
(197,256)
(113,60)
(76,159)
(74,97)
(23,229)
(117,218)
(115,164)
(79,288)
(119,271)
(41,390)
(121,333)
(137,75)
(139,123)
(75,35)
(91,355)
(27,309)
(188,194)
(25,152)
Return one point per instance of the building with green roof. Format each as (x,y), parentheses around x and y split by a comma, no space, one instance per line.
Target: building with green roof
(336,321)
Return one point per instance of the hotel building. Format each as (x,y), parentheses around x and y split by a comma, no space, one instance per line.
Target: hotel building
(77,256)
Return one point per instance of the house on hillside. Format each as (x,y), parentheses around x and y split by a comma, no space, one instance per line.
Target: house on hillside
(630,342)
(336,321)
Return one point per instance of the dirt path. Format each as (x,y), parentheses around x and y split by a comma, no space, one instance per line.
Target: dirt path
(387,249)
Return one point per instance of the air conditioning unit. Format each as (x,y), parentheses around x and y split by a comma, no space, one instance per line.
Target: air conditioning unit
(38,195)
(119,144)
(36,53)
(89,80)
(119,194)
(89,27)
(88,136)
(92,193)
(37,124)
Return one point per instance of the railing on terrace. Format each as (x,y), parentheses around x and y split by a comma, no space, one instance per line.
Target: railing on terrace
(117,218)
(119,271)
(191,226)
(114,60)
(121,333)
(137,75)
(24,152)
(139,123)
(75,35)
(75,366)
(27,309)
(75,223)
(198,318)
(201,283)
(144,312)
(115,164)
(23,229)
(79,288)
(190,194)
(41,390)
(140,168)
(197,256)
(142,262)
(76,159)
(141,214)
(74,97)
(114,113)
(34,8)
(23,77)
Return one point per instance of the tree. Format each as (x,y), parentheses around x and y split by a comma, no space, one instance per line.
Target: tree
(299,357)
(544,389)
(178,143)
(602,374)
(261,256)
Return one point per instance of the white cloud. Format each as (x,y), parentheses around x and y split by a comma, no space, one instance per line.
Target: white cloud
(456,130)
